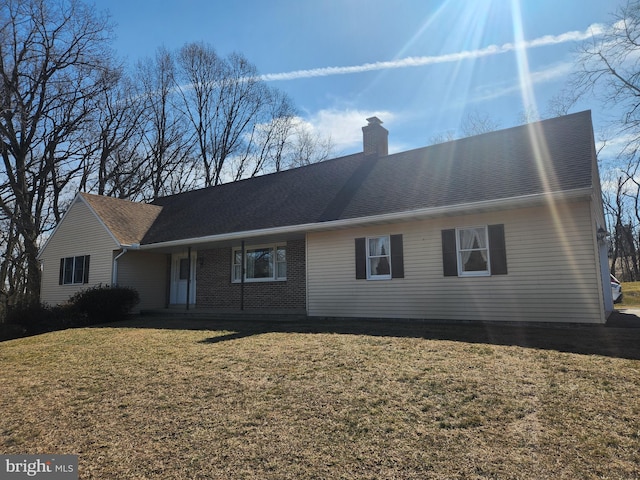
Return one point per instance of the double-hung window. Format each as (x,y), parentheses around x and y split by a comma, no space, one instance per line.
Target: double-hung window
(379,258)
(74,270)
(474,251)
(263,263)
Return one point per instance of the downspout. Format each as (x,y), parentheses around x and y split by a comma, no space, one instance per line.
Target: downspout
(114,270)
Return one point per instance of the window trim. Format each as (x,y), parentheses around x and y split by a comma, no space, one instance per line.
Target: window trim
(460,250)
(74,268)
(370,275)
(274,259)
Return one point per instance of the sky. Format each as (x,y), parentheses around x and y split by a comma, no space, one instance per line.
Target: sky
(421,66)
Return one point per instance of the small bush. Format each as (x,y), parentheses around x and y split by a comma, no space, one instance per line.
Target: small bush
(104,304)
(33,317)
(9,331)
(88,307)
(36,318)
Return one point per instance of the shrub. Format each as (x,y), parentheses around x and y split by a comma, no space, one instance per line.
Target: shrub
(9,331)
(94,305)
(35,317)
(103,303)
(29,315)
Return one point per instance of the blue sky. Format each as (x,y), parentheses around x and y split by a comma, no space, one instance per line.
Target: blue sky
(419,65)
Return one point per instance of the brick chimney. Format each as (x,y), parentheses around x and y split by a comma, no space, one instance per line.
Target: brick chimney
(375,138)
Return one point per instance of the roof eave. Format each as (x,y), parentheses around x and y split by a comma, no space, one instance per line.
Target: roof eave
(418,214)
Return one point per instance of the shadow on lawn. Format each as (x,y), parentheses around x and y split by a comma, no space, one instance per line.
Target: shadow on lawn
(620,338)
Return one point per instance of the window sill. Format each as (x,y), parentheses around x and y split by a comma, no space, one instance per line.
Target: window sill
(260,280)
(474,274)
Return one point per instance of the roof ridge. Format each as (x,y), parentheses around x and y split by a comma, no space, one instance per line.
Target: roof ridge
(321,164)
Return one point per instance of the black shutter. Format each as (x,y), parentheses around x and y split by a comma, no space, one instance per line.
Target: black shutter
(361,258)
(61,277)
(497,250)
(397,257)
(449,253)
(85,278)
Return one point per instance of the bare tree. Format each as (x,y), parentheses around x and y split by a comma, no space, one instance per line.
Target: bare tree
(267,145)
(473,123)
(476,123)
(561,103)
(528,115)
(609,68)
(241,127)
(240,98)
(166,143)
(442,137)
(12,264)
(54,60)
(307,147)
(111,164)
(200,77)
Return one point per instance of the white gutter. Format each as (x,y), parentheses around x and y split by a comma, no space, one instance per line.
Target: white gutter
(449,210)
(114,270)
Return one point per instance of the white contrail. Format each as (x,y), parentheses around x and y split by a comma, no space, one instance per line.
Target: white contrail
(574,36)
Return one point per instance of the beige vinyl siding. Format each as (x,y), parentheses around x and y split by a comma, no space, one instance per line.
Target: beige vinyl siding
(148,274)
(552,271)
(80,233)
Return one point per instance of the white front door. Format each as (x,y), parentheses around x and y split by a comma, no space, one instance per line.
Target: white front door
(183,278)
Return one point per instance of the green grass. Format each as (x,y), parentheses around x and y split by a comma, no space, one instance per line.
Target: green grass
(631,295)
(196,400)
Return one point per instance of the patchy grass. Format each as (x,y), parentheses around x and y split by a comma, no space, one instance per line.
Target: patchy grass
(330,400)
(630,295)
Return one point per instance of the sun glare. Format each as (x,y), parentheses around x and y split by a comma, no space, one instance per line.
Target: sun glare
(463,31)
(538,141)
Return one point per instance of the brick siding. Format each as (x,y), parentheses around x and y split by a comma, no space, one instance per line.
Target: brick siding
(215,289)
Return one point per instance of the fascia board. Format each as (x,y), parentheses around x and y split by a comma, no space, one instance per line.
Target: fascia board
(424,213)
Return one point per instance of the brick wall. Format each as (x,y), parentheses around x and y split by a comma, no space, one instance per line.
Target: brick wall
(215,289)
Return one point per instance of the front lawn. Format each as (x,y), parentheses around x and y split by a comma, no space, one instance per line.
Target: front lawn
(195,400)
(630,295)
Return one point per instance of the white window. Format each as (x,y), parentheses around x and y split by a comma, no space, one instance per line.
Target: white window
(263,263)
(473,251)
(378,258)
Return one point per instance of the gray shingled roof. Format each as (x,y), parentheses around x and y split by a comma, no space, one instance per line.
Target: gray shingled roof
(548,156)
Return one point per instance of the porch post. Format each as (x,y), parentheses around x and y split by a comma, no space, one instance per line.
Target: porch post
(242,277)
(188,276)
(169,281)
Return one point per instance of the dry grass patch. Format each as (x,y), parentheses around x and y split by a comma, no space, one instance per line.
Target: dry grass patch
(418,402)
(630,295)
